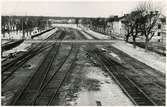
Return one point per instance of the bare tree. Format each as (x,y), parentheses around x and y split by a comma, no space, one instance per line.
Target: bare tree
(148,20)
(141,22)
(132,25)
(127,27)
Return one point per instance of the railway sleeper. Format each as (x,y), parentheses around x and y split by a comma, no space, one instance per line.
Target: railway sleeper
(26,99)
(24,102)
(135,94)
(28,95)
(42,101)
(59,76)
(54,100)
(54,84)
(47,93)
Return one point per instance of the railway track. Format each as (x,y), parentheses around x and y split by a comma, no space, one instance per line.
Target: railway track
(116,70)
(91,35)
(9,68)
(35,83)
(10,45)
(135,64)
(53,85)
(6,64)
(131,59)
(81,36)
(135,94)
(42,89)
(46,92)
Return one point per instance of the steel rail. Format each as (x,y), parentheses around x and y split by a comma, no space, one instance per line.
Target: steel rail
(15,64)
(40,74)
(135,94)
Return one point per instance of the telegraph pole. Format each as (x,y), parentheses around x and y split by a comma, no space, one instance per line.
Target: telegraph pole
(22,28)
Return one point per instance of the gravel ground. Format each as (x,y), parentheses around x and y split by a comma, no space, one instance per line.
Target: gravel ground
(89,85)
(24,46)
(151,81)
(20,77)
(149,58)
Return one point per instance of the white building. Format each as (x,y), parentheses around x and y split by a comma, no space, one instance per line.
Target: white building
(116,25)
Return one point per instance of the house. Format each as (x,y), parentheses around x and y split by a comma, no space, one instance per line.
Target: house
(115,25)
(161,29)
(160,34)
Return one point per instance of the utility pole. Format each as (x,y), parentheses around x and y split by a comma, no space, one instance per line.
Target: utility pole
(9,26)
(22,28)
(47,24)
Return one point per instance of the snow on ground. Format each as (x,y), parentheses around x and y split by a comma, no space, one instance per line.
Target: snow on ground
(15,35)
(86,35)
(4,41)
(149,58)
(18,35)
(74,26)
(108,94)
(46,35)
(98,35)
(23,46)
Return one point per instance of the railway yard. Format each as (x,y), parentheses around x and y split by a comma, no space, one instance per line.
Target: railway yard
(82,74)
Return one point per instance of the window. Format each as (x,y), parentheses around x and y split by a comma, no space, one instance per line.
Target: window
(159,33)
(159,26)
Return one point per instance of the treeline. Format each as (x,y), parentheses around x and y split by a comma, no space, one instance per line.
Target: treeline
(26,24)
(96,23)
(141,22)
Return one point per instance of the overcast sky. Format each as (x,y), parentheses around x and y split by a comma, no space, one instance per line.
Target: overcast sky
(66,8)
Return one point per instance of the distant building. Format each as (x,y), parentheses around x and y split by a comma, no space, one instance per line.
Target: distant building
(161,29)
(71,21)
(118,27)
(60,21)
(115,25)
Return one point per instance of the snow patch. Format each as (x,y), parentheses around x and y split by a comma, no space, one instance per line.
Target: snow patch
(98,35)
(109,94)
(46,35)
(151,59)
(86,35)
(74,26)
(22,47)
(115,56)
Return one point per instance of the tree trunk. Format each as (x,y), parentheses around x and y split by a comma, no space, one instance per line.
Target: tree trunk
(127,38)
(17,32)
(9,34)
(23,37)
(3,34)
(146,43)
(134,41)
(104,30)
